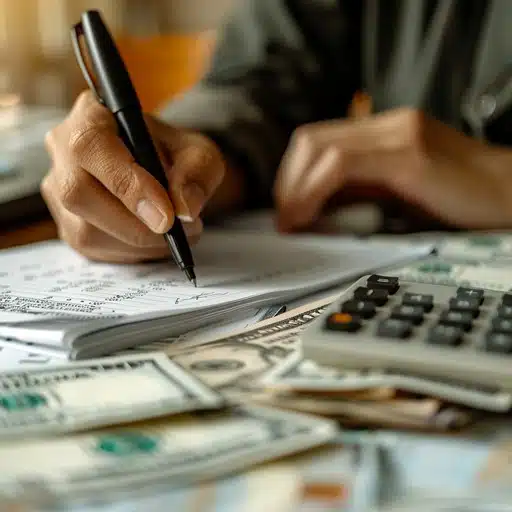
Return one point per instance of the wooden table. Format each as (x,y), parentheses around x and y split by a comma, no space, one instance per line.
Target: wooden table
(36,232)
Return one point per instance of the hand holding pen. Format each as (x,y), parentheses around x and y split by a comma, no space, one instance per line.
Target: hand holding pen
(109,207)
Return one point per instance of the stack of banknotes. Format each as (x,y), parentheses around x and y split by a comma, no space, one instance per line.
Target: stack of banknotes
(239,420)
(263,363)
(105,426)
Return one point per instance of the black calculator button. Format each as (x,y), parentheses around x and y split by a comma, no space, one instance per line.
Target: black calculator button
(502,325)
(461,319)
(377,296)
(471,293)
(506,300)
(470,305)
(504,312)
(390,284)
(447,335)
(364,309)
(419,299)
(343,322)
(394,328)
(499,342)
(412,313)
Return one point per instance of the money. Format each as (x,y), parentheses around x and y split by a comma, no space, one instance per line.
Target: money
(244,357)
(99,392)
(494,275)
(171,452)
(423,414)
(307,376)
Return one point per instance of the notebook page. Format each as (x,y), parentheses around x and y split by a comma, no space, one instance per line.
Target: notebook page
(52,279)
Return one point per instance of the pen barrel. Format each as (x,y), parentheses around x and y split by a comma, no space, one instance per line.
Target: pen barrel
(135,134)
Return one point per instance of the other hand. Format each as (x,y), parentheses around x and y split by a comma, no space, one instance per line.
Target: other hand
(455,178)
(109,208)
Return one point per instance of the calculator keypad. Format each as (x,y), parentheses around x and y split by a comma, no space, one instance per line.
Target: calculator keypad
(458,333)
(463,317)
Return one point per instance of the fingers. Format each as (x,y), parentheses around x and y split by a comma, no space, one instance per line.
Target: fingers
(96,243)
(194,168)
(88,140)
(306,200)
(385,149)
(104,204)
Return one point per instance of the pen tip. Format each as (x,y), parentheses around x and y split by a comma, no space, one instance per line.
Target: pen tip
(194,282)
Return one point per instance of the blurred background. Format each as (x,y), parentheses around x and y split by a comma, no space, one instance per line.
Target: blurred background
(166,44)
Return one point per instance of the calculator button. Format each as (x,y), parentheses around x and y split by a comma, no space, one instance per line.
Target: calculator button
(378,297)
(343,322)
(469,305)
(448,335)
(499,342)
(390,284)
(419,299)
(394,328)
(506,300)
(412,313)
(502,325)
(364,309)
(470,293)
(460,319)
(504,312)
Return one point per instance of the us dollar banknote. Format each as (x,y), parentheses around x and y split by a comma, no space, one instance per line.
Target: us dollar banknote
(492,275)
(308,377)
(244,356)
(94,393)
(171,452)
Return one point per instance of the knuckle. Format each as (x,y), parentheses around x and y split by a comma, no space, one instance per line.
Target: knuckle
(303,136)
(72,191)
(45,186)
(50,140)
(414,121)
(84,139)
(81,236)
(123,184)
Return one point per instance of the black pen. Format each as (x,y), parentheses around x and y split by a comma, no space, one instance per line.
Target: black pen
(115,90)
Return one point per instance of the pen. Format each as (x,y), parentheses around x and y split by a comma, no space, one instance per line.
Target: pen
(114,89)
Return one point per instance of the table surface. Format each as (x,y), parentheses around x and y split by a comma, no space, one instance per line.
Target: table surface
(422,463)
(35,232)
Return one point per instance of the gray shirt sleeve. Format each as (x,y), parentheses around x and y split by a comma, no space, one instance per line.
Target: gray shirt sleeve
(269,74)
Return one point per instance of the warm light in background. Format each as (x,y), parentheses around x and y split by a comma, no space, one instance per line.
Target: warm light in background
(166,44)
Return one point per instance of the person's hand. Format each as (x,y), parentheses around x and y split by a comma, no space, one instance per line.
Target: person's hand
(109,208)
(453,177)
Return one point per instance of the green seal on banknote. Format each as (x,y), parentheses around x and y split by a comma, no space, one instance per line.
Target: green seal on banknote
(22,401)
(435,268)
(128,443)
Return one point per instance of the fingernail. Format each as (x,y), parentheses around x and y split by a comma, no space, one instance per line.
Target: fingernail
(151,215)
(193,198)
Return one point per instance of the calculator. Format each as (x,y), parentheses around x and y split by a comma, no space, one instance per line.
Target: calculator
(449,332)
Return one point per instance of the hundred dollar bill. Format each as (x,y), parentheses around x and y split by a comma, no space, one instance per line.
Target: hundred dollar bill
(246,355)
(166,453)
(307,376)
(98,392)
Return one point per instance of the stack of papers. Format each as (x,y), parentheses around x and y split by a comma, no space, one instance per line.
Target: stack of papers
(54,301)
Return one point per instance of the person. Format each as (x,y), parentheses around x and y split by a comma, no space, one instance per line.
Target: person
(268,125)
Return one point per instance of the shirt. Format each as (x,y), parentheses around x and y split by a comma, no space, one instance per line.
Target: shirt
(282,63)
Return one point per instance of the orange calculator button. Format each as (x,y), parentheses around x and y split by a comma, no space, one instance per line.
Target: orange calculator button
(343,322)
